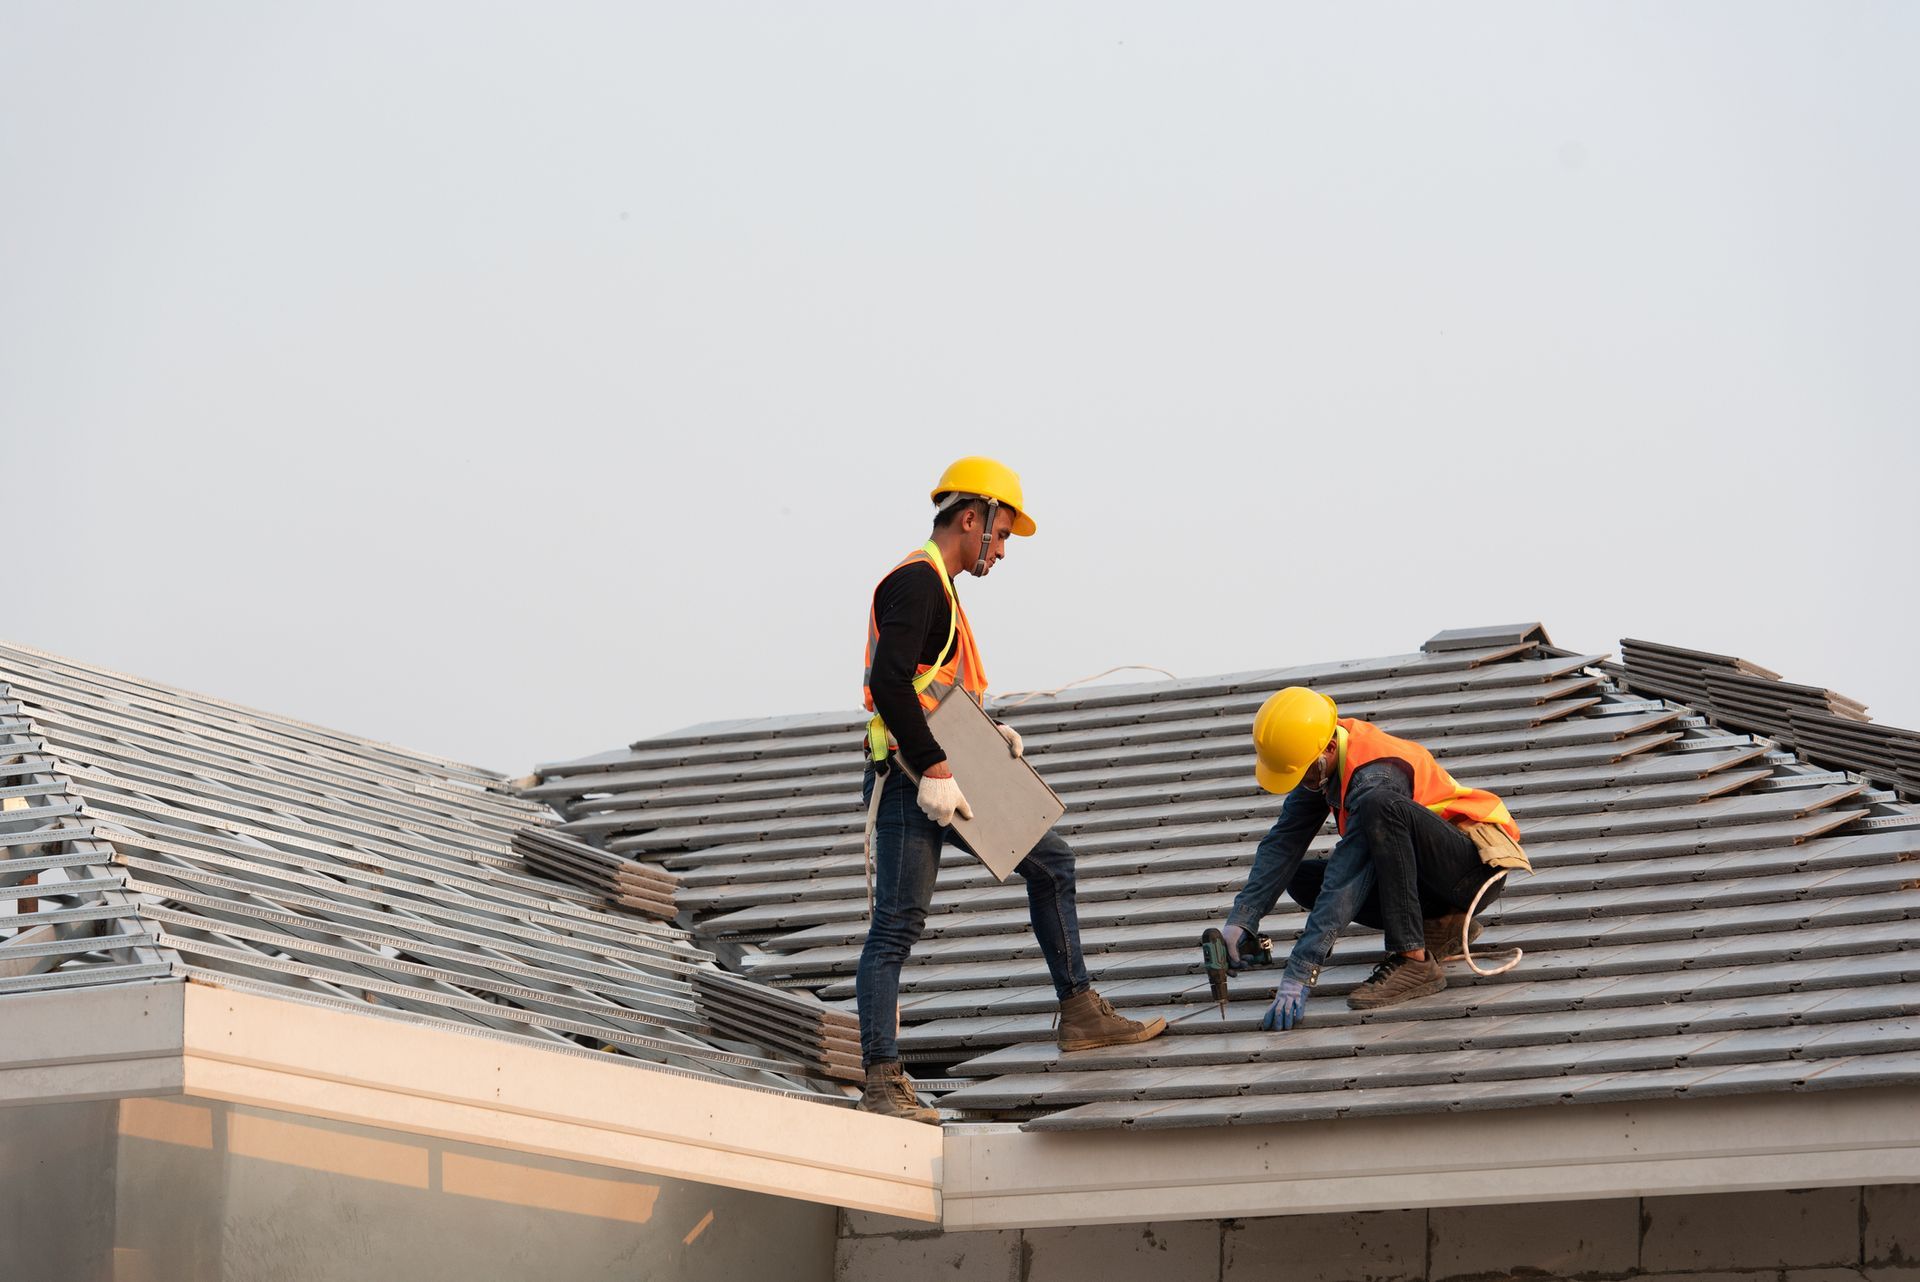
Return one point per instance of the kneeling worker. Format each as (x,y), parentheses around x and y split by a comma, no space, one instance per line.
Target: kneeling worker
(1416,849)
(919,645)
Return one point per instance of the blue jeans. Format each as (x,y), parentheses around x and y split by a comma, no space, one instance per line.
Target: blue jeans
(1343,883)
(906,859)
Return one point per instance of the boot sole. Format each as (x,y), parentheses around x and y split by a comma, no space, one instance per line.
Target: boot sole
(1428,989)
(931,1119)
(1150,1030)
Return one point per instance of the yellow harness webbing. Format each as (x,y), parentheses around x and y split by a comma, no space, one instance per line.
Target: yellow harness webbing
(876,728)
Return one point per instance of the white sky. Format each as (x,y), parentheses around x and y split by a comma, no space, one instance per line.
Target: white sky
(512,381)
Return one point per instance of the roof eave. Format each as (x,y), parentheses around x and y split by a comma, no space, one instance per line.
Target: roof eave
(212,1043)
(1000,1177)
(70,1045)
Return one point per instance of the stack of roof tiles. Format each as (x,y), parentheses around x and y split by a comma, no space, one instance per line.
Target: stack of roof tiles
(149,834)
(620,883)
(1708,913)
(1825,726)
(824,1038)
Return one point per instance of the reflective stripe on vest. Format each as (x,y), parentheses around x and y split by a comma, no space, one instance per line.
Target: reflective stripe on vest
(1361,743)
(959,662)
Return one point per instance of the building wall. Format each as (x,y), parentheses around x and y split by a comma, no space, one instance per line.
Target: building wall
(56,1191)
(183,1190)
(1810,1235)
(177,1190)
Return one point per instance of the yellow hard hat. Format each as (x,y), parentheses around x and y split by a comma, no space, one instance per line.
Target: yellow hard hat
(1291,730)
(990,480)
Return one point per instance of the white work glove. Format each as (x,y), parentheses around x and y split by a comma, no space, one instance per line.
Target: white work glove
(942,800)
(1011,735)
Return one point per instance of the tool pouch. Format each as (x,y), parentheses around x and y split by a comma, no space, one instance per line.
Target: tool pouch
(1495,847)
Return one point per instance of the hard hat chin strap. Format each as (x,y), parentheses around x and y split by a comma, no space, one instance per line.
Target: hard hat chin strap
(953,497)
(986,538)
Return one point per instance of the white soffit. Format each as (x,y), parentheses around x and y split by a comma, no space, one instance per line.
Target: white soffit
(70,1045)
(288,1055)
(244,1048)
(999,1177)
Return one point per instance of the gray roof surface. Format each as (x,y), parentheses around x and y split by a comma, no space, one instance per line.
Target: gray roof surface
(153,835)
(1708,913)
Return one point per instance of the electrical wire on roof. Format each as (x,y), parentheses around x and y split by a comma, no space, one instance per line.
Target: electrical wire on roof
(1000,705)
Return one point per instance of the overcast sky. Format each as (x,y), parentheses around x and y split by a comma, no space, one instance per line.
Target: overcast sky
(513,381)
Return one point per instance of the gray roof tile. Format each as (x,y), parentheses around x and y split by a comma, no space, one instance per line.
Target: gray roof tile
(1707,915)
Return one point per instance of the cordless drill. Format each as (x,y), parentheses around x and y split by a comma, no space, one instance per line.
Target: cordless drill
(1256,951)
(1213,956)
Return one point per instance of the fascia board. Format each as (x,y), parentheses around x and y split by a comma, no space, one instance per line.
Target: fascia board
(306,1059)
(63,1046)
(999,1177)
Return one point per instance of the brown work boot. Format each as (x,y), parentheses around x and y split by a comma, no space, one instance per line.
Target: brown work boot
(1443,935)
(1398,979)
(1087,1021)
(890,1094)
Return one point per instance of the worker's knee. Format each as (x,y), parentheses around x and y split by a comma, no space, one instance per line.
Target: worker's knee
(1050,862)
(892,935)
(1376,807)
(1046,878)
(1367,806)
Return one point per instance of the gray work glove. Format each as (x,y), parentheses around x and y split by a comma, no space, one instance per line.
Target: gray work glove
(942,800)
(1011,735)
(1289,1006)
(1234,937)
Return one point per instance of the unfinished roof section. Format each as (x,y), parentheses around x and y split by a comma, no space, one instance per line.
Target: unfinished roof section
(1709,915)
(153,835)
(1821,725)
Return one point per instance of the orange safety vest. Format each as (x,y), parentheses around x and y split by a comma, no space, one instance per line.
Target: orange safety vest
(959,664)
(1361,743)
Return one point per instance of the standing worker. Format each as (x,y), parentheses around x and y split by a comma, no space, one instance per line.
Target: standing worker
(919,646)
(1416,852)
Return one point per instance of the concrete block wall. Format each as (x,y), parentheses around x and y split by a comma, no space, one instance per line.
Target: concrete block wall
(1809,1235)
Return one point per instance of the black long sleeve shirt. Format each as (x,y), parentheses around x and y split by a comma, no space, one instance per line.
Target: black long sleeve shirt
(910,607)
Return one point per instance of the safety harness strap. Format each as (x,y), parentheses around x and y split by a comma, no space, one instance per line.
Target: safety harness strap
(1466,931)
(873,817)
